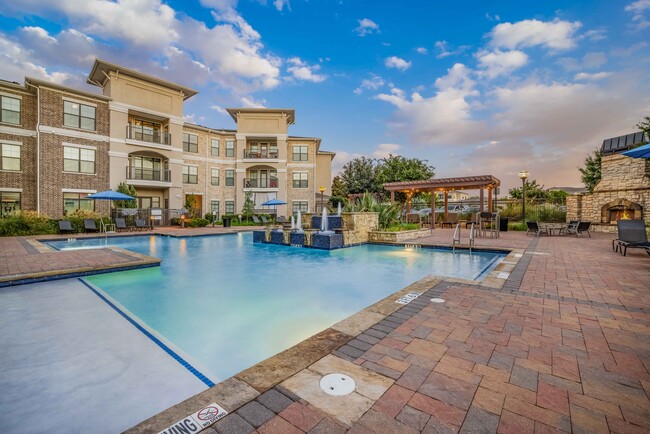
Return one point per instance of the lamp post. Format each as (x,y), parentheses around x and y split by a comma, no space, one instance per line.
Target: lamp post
(523,174)
(322,193)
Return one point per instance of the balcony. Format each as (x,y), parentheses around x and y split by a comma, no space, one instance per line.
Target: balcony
(261,183)
(154,177)
(148,135)
(261,154)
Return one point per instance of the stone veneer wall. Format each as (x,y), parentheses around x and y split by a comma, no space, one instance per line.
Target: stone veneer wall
(622,179)
(356,225)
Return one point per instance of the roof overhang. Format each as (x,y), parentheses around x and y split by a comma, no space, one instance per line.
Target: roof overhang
(101,68)
(290,113)
(445,184)
(44,83)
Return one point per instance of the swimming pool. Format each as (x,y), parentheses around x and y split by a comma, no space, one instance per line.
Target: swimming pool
(228,303)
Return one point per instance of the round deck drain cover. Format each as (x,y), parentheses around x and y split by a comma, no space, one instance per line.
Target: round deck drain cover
(337,384)
(437,300)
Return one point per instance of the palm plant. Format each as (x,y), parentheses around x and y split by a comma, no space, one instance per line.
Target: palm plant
(388,212)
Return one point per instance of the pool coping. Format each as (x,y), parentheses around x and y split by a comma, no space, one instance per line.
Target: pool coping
(249,384)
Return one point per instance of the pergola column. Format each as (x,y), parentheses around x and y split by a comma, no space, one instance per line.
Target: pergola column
(490,209)
(446,202)
(482,198)
(433,209)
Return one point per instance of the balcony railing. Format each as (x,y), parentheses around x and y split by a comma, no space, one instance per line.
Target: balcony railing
(151,136)
(133,172)
(261,183)
(264,153)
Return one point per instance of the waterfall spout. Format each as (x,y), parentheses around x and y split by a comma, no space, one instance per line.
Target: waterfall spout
(324,224)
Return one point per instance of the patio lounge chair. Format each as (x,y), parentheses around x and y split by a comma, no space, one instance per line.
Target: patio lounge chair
(65,227)
(631,233)
(281,219)
(256,220)
(120,224)
(90,225)
(534,228)
(583,227)
(264,220)
(571,226)
(141,224)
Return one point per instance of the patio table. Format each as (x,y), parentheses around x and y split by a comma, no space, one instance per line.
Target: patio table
(554,228)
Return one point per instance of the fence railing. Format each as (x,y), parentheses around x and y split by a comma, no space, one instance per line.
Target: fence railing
(145,135)
(138,173)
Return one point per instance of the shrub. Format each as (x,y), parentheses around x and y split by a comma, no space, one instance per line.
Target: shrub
(27,223)
(402,227)
(197,223)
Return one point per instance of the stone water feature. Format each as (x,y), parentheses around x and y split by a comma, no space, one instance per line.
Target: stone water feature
(329,235)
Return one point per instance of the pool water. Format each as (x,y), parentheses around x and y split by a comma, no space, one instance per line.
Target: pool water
(229,303)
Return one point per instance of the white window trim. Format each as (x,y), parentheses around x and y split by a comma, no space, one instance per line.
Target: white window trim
(11,95)
(77,190)
(11,190)
(11,142)
(78,101)
(74,145)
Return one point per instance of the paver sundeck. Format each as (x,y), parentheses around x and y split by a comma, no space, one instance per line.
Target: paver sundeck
(563,345)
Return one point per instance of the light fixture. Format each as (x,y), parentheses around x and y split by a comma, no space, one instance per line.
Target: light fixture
(523,174)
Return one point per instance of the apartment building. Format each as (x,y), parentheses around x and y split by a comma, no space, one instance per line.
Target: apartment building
(60,144)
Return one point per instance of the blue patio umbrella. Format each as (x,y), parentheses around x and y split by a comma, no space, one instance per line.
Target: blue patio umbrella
(640,152)
(110,195)
(274,202)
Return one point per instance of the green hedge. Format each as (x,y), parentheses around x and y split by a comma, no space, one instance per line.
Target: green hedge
(27,223)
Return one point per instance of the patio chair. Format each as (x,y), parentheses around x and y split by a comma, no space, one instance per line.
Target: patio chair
(65,227)
(90,225)
(631,233)
(451,220)
(141,224)
(265,220)
(583,227)
(536,229)
(281,219)
(120,224)
(571,226)
(256,220)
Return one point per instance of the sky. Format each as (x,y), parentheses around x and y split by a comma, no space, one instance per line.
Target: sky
(474,87)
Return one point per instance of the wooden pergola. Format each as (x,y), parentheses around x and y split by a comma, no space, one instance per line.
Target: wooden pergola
(445,185)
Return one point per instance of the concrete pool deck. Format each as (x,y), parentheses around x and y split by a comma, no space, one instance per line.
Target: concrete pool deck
(562,345)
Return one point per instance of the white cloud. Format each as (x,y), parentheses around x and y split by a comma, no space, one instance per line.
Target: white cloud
(301,71)
(176,47)
(219,109)
(497,62)
(556,35)
(595,76)
(366,27)
(492,17)
(446,50)
(421,50)
(341,159)
(627,52)
(594,60)
(397,63)
(384,150)
(250,102)
(638,9)
(372,83)
(281,4)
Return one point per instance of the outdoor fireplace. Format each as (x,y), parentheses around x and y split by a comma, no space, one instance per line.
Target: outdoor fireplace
(620,209)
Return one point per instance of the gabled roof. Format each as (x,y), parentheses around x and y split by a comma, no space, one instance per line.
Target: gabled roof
(462,183)
(101,67)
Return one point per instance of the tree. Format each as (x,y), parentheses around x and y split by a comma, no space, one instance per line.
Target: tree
(533,191)
(644,125)
(360,176)
(591,172)
(249,206)
(338,187)
(396,168)
(126,189)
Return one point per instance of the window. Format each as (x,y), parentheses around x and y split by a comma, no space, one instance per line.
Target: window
(230,207)
(300,153)
(230,178)
(78,160)
(190,142)
(299,205)
(147,168)
(214,147)
(75,201)
(214,179)
(9,157)
(10,110)
(300,180)
(147,131)
(190,175)
(78,115)
(214,208)
(10,203)
(230,148)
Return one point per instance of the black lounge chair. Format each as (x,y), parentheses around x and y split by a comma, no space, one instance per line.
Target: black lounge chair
(90,225)
(571,226)
(281,219)
(534,228)
(141,224)
(264,220)
(583,227)
(65,227)
(631,233)
(256,220)
(120,224)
